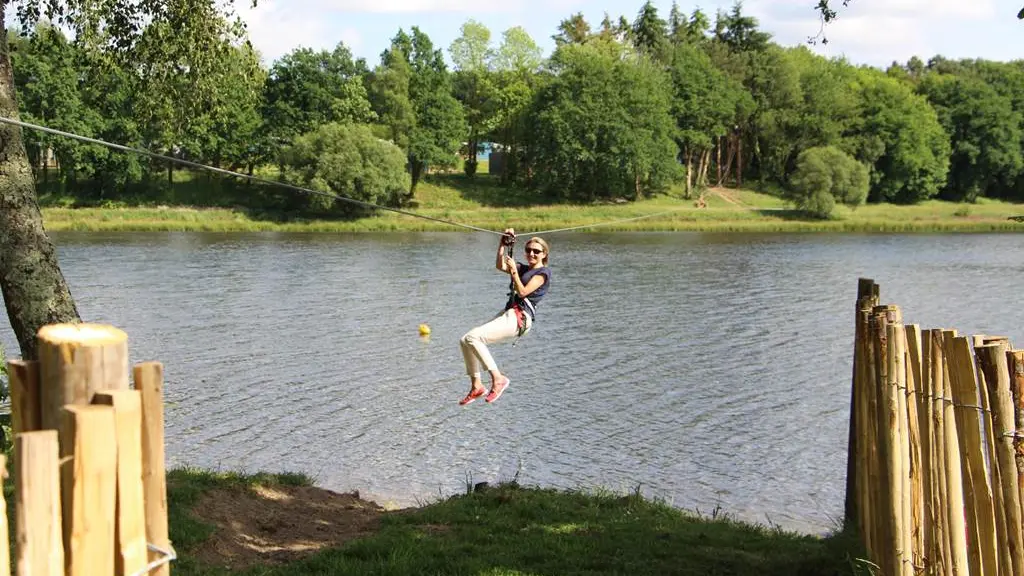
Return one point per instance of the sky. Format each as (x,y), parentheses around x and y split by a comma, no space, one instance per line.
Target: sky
(872,32)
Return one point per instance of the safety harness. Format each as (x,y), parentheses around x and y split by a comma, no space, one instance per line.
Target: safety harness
(517,303)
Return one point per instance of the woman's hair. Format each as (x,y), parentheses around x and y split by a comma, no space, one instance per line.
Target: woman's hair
(544,245)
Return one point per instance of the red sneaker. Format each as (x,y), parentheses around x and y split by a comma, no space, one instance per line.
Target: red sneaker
(473,395)
(497,390)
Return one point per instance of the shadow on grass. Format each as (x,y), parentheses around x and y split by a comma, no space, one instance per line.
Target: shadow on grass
(506,530)
(788,214)
(486,189)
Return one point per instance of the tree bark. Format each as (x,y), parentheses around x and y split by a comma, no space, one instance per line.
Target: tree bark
(705,161)
(689,172)
(718,158)
(32,284)
(416,167)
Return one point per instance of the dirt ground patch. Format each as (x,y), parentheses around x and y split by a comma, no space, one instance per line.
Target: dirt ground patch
(276,525)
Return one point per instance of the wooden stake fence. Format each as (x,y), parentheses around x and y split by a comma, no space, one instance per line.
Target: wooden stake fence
(935,472)
(90,492)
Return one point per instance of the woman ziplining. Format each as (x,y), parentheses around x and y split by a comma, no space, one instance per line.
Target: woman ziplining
(528,282)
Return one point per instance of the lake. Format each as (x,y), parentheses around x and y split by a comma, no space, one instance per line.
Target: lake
(710,370)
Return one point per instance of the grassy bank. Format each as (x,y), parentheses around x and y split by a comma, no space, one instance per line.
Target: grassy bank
(483,202)
(277,525)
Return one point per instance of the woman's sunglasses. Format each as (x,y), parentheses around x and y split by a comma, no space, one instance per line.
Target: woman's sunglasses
(534,251)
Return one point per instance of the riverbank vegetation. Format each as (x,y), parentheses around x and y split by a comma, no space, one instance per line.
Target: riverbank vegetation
(224,524)
(627,110)
(482,202)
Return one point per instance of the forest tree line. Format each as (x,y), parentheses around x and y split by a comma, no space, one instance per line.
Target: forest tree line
(620,109)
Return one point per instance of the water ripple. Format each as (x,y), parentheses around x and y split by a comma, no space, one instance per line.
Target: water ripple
(709,369)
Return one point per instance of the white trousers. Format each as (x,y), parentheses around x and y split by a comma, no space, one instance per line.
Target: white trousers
(474,343)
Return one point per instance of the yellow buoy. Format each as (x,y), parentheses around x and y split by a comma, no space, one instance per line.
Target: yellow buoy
(424,330)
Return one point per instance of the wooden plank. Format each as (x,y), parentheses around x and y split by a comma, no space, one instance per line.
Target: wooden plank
(5,550)
(40,550)
(992,358)
(980,511)
(149,380)
(23,379)
(130,524)
(854,471)
(24,383)
(899,454)
(914,405)
(953,487)
(75,361)
(89,485)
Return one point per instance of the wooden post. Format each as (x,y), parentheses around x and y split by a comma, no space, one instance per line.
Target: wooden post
(1016,358)
(25,401)
(887,537)
(5,550)
(40,550)
(878,537)
(24,382)
(89,484)
(956,524)
(899,453)
(981,514)
(149,380)
(993,361)
(1004,553)
(854,469)
(130,524)
(929,469)
(75,361)
(918,522)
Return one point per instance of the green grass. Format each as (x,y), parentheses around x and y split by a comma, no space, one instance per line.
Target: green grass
(509,530)
(484,202)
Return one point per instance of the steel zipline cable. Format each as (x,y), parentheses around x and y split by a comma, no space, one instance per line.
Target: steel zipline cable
(267,181)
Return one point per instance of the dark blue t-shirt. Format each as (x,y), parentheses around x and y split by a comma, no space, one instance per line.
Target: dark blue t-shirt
(525,273)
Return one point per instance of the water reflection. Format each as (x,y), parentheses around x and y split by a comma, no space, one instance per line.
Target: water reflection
(711,369)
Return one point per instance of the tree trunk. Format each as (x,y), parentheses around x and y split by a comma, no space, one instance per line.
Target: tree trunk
(729,154)
(416,167)
(33,286)
(705,160)
(689,173)
(718,158)
(739,161)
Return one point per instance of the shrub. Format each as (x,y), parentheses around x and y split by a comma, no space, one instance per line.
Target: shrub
(347,160)
(825,175)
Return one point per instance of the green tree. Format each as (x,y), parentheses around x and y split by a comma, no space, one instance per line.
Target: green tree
(347,160)
(816,108)
(516,64)
(825,175)
(706,106)
(898,135)
(984,132)
(474,87)
(602,127)
(389,95)
(232,131)
(740,32)
(307,88)
(650,34)
(572,30)
(435,135)
(171,65)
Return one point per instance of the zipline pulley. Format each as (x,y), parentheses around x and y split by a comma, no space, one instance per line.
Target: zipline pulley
(509,241)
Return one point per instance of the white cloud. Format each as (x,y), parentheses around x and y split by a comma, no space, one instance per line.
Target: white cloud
(313,8)
(875,32)
(276,30)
